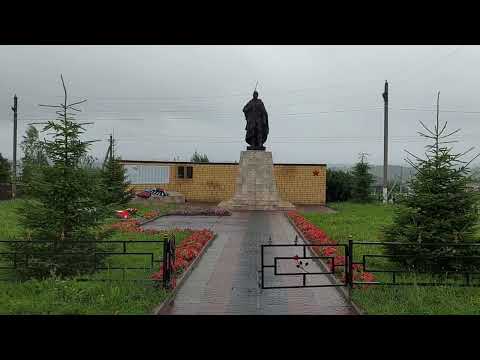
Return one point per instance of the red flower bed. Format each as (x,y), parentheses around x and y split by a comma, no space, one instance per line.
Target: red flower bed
(317,236)
(187,251)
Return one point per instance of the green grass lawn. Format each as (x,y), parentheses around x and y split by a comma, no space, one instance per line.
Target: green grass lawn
(363,223)
(86,297)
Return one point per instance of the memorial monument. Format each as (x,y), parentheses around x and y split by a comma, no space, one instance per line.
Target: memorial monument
(256,188)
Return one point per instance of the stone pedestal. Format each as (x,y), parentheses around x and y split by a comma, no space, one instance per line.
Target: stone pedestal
(256,188)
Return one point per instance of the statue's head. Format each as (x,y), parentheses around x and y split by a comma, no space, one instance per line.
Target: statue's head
(255,94)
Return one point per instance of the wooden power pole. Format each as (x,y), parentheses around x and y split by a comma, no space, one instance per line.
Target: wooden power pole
(111,147)
(14,170)
(109,153)
(385,144)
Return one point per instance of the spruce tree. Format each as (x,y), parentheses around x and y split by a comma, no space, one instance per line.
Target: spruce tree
(362,181)
(116,187)
(4,170)
(440,208)
(63,211)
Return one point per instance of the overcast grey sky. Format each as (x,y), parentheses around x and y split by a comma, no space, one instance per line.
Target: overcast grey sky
(324,102)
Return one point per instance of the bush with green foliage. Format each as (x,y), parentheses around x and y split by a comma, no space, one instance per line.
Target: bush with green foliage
(116,187)
(439,208)
(63,211)
(4,170)
(34,156)
(339,185)
(362,181)
(197,157)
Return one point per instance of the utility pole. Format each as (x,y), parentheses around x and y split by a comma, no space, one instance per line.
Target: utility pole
(385,143)
(14,172)
(108,155)
(111,147)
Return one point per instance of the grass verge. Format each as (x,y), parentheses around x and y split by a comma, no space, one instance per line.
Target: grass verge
(363,222)
(55,296)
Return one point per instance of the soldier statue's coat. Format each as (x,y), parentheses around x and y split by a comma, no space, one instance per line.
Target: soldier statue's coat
(257,122)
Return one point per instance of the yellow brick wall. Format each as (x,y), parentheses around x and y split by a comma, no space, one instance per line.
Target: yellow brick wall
(209,182)
(216,182)
(299,185)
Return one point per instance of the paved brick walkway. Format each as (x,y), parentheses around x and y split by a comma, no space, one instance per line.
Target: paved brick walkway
(226,278)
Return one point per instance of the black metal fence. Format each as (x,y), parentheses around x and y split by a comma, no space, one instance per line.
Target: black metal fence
(411,275)
(343,272)
(160,258)
(302,261)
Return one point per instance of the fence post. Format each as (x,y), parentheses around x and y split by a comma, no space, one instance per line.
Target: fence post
(165,262)
(349,276)
(173,250)
(262,248)
(168,261)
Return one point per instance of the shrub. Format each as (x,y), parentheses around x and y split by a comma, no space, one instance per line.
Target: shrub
(34,156)
(4,170)
(197,157)
(339,185)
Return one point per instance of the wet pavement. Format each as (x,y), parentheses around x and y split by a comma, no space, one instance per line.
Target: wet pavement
(226,279)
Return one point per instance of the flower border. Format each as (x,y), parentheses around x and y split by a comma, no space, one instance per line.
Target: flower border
(315,235)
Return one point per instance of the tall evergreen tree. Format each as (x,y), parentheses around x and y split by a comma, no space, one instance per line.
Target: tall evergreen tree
(5,170)
(362,181)
(440,208)
(63,209)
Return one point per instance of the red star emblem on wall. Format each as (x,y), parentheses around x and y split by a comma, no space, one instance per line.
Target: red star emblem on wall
(315,172)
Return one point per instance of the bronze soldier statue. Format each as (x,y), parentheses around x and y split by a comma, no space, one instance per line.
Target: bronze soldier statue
(257,123)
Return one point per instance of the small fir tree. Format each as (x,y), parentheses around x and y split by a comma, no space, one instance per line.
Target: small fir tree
(63,212)
(440,208)
(116,187)
(4,170)
(362,181)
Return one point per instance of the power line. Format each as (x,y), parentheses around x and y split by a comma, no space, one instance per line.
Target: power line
(220,116)
(245,94)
